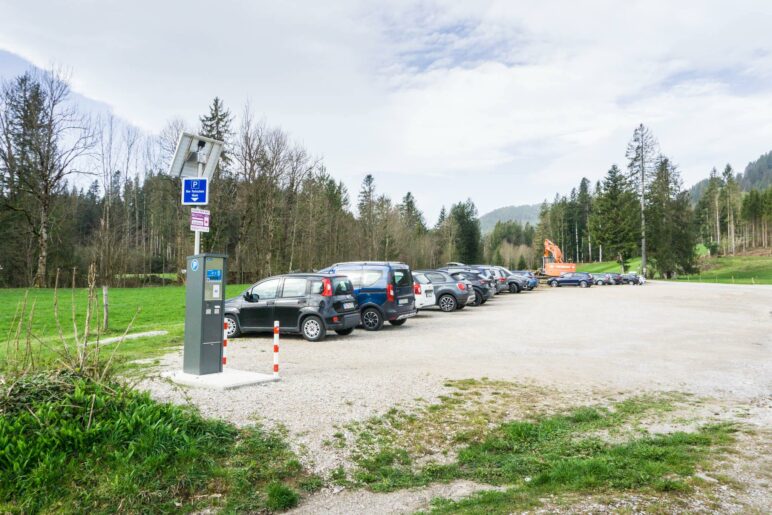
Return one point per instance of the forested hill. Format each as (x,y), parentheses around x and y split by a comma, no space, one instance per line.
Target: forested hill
(757,176)
(524,213)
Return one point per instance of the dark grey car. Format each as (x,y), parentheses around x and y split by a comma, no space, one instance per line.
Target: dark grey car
(487,277)
(480,285)
(451,294)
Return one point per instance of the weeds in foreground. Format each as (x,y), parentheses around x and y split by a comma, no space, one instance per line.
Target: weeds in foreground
(75,439)
(584,450)
(71,444)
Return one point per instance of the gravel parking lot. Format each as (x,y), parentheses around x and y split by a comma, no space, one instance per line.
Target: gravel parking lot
(710,340)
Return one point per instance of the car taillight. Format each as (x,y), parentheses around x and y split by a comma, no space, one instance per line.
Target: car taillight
(501,279)
(390,293)
(417,288)
(327,290)
(461,286)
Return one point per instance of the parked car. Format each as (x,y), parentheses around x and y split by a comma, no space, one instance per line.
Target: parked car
(533,281)
(423,291)
(487,277)
(309,304)
(616,278)
(602,279)
(383,289)
(499,278)
(515,283)
(632,278)
(451,294)
(480,286)
(582,279)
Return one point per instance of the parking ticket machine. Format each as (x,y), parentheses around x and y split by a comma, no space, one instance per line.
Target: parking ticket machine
(204,314)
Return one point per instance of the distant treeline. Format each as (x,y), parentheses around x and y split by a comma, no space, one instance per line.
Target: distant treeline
(604,221)
(275,208)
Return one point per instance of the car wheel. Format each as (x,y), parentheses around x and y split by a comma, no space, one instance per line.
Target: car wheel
(583,284)
(447,303)
(232,326)
(313,329)
(372,319)
(478,299)
(345,332)
(553,284)
(398,322)
(514,288)
(599,283)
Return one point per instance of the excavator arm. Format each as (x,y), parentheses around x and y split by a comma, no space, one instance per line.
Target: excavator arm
(553,261)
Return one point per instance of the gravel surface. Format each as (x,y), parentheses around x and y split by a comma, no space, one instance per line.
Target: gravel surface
(710,340)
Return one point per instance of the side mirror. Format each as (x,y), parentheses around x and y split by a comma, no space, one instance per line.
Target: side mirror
(251,297)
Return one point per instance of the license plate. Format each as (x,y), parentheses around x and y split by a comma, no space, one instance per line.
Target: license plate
(348,305)
(430,293)
(404,301)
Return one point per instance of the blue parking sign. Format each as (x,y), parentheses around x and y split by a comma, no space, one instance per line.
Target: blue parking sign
(195,191)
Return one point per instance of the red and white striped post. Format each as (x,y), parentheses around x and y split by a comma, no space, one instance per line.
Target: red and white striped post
(224,344)
(276,348)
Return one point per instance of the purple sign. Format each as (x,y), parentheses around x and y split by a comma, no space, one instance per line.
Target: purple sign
(199,220)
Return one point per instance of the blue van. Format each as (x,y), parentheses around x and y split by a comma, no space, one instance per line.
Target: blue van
(383,289)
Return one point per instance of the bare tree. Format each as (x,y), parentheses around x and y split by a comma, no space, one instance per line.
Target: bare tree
(43,136)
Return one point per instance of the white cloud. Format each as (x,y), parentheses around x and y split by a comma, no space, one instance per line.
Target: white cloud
(505,102)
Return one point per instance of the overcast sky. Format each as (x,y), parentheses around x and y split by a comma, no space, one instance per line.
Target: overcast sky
(505,102)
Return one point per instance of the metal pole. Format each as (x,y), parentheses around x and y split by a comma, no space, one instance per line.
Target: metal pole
(197,243)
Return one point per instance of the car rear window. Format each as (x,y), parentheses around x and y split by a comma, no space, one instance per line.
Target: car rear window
(402,277)
(342,286)
(421,278)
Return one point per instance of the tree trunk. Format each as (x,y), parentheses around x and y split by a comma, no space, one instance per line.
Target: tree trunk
(40,275)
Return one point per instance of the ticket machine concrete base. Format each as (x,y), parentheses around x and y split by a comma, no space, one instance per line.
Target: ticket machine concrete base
(204,317)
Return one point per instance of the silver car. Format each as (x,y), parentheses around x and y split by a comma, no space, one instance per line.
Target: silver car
(450,293)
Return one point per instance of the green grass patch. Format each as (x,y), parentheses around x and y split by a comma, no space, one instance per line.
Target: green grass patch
(155,308)
(609,267)
(723,269)
(68,444)
(733,270)
(591,449)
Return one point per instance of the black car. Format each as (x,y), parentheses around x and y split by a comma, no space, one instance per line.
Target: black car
(582,279)
(632,278)
(309,304)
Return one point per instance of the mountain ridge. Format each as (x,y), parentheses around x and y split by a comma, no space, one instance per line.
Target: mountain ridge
(522,213)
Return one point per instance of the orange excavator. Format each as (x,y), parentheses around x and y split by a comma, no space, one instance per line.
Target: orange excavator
(553,261)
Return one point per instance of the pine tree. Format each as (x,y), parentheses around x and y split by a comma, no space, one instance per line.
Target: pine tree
(672,233)
(366,206)
(614,220)
(521,264)
(411,216)
(217,125)
(467,238)
(641,155)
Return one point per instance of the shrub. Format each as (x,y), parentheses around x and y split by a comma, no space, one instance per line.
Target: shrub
(281,497)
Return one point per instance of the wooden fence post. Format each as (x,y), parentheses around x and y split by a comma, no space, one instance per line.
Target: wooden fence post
(105,309)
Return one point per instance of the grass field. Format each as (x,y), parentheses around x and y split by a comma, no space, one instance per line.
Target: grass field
(734,269)
(728,269)
(155,308)
(608,266)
